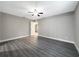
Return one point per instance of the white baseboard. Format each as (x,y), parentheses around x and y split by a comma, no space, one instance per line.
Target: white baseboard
(58,39)
(39,35)
(77,47)
(13,38)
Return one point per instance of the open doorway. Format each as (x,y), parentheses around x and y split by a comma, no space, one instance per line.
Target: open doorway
(34,28)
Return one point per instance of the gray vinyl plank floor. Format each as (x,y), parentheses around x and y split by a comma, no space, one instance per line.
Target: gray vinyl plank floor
(37,47)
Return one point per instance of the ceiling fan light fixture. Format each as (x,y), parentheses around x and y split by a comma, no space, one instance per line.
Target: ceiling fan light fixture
(35,13)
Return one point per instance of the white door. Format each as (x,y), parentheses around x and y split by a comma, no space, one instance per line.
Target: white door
(34,28)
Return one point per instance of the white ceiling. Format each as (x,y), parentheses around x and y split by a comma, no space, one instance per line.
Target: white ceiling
(49,8)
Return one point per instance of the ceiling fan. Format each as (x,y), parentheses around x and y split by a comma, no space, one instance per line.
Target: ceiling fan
(35,13)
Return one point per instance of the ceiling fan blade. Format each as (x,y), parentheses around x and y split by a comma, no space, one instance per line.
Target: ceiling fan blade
(38,15)
(30,12)
(41,13)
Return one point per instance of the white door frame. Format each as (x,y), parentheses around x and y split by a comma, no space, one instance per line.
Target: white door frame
(33,28)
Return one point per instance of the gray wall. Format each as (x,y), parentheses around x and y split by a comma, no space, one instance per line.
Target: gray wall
(60,27)
(0,24)
(14,26)
(77,27)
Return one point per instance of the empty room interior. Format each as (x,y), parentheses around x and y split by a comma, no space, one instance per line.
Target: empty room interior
(39,28)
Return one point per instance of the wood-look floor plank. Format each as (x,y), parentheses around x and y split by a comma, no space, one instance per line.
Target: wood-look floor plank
(37,47)
(21,47)
(43,52)
(53,49)
(15,50)
(33,50)
(1,50)
(60,49)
